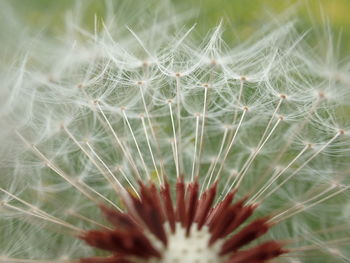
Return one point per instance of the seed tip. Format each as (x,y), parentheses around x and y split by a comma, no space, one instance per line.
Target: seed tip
(283,96)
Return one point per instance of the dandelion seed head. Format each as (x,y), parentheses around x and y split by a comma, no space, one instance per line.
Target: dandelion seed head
(105,118)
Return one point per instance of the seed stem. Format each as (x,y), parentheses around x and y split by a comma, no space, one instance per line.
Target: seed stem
(245,109)
(49,164)
(276,176)
(136,144)
(204,111)
(116,137)
(195,148)
(150,150)
(303,165)
(176,156)
(218,156)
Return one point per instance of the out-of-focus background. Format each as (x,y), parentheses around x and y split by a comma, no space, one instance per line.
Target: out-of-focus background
(241,17)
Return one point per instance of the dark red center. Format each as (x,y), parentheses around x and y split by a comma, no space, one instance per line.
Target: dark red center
(130,242)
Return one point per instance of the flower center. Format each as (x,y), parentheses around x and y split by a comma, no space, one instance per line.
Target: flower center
(154,229)
(194,248)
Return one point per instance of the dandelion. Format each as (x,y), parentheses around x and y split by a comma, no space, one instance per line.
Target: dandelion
(139,144)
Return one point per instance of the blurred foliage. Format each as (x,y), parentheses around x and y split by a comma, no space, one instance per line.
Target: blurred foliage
(243,17)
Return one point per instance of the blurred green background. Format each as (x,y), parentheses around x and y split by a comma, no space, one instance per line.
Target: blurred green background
(242,16)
